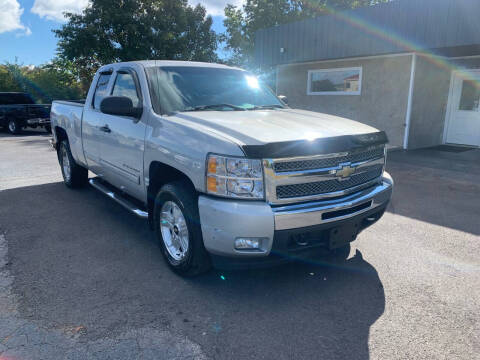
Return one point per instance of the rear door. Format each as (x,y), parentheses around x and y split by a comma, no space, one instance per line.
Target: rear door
(93,120)
(123,145)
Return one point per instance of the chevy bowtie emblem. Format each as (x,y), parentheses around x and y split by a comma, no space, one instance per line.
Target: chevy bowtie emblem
(345,172)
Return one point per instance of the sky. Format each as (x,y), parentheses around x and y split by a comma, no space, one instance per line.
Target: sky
(26,26)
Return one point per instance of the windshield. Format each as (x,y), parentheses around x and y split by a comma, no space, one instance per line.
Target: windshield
(182,88)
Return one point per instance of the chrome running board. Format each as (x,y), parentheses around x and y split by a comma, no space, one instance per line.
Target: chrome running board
(122,200)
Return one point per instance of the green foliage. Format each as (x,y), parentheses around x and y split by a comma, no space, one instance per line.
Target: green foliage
(242,23)
(7,80)
(44,83)
(111,31)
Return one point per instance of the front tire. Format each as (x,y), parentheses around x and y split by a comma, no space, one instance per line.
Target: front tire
(14,127)
(74,175)
(341,254)
(178,231)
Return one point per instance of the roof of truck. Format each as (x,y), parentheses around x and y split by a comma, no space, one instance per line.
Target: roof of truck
(152,63)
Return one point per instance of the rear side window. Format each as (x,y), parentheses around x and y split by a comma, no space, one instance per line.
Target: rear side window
(125,86)
(15,98)
(101,90)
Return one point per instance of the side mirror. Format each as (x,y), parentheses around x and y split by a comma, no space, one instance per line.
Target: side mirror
(121,106)
(283,98)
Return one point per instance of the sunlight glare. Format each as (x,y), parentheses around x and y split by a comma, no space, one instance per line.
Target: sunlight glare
(252,81)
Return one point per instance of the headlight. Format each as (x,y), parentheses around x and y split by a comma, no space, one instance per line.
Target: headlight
(234,177)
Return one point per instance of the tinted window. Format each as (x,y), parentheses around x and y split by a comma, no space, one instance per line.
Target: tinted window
(180,88)
(12,99)
(125,86)
(101,90)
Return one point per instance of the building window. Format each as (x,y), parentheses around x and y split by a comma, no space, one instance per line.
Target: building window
(470,98)
(344,81)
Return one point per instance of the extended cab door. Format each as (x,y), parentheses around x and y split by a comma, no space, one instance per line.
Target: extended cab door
(124,139)
(92,121)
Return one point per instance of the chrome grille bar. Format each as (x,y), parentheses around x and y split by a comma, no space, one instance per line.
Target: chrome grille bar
(339,178)
(328,161)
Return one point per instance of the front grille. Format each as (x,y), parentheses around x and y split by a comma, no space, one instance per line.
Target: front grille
(302,165)
(328,186)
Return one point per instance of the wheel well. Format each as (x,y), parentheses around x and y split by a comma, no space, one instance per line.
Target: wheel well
(60,134)
(159,175)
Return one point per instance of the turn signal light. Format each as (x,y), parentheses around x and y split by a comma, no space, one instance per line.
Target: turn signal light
(211,183)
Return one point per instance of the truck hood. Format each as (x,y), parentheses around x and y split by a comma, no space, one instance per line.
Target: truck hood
(259,127)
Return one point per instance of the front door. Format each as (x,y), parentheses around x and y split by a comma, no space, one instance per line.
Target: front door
(464,122)
(122,148)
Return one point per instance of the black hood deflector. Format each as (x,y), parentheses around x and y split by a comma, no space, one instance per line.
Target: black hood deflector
(323,146)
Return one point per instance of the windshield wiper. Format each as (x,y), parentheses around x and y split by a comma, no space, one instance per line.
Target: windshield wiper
(214,106)
(265,107)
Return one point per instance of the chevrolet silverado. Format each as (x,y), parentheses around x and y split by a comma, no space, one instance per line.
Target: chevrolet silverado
(226,173)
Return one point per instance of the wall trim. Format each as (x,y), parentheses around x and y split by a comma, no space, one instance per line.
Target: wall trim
(376,57)
(276,81)
(448,113)
(348,59)
(462,57)
(410,101)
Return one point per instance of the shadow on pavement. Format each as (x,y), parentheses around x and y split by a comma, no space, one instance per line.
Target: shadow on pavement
(24,133)
(78,259)
(437,187)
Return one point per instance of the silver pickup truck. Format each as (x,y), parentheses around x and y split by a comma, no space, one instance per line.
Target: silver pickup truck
(226,173)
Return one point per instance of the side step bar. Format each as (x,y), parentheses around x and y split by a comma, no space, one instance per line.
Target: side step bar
(115,195)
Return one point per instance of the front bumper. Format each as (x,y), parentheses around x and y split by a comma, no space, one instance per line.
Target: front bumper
(223,221)
(39,121)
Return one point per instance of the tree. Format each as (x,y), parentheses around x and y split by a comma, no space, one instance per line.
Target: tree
(44,83)
(7,80)
(125,30)
(57,80)
(242,23)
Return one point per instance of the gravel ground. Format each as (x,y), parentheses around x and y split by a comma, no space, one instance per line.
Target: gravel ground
(81,278)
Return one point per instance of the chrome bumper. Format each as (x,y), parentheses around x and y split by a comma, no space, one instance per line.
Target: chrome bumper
(39,121)
(224,220)
(321,212)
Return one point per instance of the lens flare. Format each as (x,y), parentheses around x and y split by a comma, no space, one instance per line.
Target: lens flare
(351,18)
(252,81)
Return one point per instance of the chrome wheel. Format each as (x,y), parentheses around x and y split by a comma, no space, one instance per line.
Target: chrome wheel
(12,126)
(66,164)
(173,227)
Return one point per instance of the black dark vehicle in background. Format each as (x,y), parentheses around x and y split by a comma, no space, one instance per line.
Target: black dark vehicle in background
(18,110)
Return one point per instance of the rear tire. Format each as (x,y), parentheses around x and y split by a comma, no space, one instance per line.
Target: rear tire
(74,175)
(14,127)
(185,258)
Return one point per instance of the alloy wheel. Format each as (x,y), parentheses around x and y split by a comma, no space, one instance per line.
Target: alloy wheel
(66,164)
(173,227)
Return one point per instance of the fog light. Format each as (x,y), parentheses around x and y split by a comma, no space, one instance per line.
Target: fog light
(248,243)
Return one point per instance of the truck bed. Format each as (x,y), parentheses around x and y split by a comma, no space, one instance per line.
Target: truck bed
(68,115)
(71,102)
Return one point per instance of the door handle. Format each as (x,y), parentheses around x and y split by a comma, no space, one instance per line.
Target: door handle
(105,129)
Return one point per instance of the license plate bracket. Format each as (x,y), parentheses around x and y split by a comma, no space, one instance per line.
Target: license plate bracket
(342,235)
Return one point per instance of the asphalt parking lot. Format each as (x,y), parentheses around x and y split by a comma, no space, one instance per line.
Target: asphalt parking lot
(81,278)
